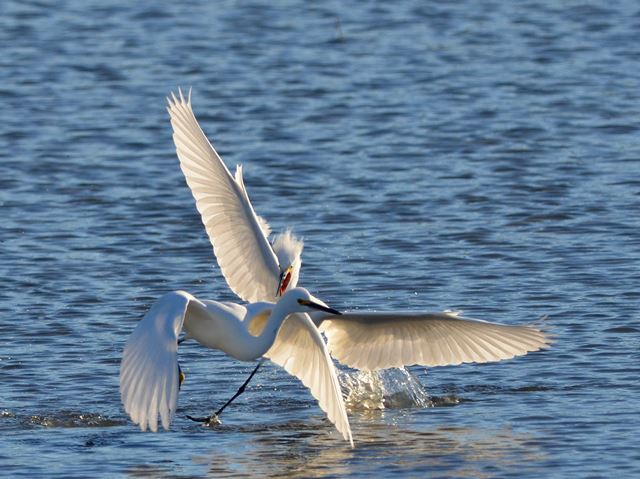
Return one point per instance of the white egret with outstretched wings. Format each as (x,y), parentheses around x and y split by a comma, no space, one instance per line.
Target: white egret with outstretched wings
(150,376)
(259,270)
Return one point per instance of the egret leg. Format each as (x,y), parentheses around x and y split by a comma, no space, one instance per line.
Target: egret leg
(214,417)
(181,377)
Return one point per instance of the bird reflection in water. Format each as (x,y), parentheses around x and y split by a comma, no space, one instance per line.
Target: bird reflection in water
(304,450)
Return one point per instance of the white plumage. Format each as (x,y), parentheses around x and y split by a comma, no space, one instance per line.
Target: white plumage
(258,270)
(239,237)
(149,374)
(372,341)
(367,341)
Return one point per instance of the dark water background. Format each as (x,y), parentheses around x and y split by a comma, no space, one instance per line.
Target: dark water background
(482,156)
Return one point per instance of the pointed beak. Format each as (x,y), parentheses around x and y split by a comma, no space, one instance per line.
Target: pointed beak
(279,288)
(285,278)
(320,307)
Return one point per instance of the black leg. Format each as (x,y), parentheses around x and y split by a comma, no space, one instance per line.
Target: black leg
(214,417)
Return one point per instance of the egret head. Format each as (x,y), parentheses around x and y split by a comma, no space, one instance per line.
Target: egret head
(306,301)
(285,280)
(288,249)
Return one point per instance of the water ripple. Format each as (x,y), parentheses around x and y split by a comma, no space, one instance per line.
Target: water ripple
(433,156)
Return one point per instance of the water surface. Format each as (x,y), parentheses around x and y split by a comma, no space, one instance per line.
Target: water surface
(459,156)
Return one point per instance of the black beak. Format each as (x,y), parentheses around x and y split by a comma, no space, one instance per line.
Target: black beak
(321,307)
(279,284)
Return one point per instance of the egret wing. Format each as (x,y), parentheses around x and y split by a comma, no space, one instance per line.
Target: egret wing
(238,235)
(300,350)
(149,369)
(383,340)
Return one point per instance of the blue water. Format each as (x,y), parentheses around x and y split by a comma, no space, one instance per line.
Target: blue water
(469,155)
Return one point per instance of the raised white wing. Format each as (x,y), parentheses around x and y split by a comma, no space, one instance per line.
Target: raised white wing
(238,235)
(300,350)
(149,370)
(371,341)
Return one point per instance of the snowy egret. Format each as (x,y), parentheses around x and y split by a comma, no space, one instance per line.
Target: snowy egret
(150,376)
(255,269)
(258,270)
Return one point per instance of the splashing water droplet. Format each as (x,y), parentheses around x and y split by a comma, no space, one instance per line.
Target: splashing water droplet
(389,388)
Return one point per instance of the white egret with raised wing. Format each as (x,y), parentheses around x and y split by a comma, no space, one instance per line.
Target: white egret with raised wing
(255,269)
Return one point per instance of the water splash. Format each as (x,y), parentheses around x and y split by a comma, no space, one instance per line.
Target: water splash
(70,419)
(389,388)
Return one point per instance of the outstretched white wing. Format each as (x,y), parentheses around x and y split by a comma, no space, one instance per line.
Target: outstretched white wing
(300,350)
(383,340)
(238,235)
(149,370)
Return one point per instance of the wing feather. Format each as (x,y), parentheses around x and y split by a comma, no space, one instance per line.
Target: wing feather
(149,367)
(371,341)
(238,235)
(300,350)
